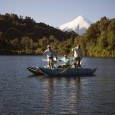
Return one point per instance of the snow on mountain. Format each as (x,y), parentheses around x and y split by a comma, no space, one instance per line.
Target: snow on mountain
(78,25)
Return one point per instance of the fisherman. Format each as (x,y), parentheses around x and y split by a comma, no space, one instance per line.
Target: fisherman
(77,55)
(66,62)
(50,56)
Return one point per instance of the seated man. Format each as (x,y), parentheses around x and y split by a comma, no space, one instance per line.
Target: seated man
(66,62)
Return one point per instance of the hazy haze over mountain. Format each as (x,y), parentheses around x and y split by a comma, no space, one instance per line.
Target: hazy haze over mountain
(78,25)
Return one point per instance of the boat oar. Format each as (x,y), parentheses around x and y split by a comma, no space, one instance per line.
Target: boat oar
(65,70)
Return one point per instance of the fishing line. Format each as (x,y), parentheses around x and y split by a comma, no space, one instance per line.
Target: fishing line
(20,32)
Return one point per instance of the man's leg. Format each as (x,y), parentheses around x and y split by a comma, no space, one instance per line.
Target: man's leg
(52,63)
(78,61)
(75,62)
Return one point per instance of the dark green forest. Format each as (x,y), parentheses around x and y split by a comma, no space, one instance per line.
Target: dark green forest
(23,36)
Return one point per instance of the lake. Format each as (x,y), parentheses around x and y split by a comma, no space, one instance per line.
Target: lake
(21,93)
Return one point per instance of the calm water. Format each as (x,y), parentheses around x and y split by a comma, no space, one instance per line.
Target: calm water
(24,94)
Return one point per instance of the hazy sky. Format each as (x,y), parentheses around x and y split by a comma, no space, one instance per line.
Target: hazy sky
(57,12)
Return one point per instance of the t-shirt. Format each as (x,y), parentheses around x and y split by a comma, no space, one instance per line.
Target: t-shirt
(77,52)
(66,61)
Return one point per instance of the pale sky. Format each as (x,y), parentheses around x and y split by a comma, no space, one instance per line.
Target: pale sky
(58,12)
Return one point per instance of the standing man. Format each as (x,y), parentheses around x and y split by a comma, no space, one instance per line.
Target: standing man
(50,55)
(77,55)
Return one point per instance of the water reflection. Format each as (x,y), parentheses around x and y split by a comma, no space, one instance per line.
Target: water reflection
(60,94)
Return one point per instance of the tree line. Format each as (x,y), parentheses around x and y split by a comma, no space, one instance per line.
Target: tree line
(99,40)
(20,35)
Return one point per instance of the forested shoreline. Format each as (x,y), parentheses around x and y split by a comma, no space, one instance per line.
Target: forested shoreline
(23,36)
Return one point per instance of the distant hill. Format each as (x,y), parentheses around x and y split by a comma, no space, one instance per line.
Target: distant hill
(20,35)
(11,24)
(78,25)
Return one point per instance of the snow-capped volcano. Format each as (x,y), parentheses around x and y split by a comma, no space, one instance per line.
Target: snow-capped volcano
(78,25)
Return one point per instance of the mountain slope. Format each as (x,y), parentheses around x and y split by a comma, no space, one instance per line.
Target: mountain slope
(13,26)
(78,25)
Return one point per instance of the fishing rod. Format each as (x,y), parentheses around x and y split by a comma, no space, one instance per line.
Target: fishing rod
(11,28)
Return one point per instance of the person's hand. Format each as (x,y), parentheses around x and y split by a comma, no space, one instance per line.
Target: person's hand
(54,61)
